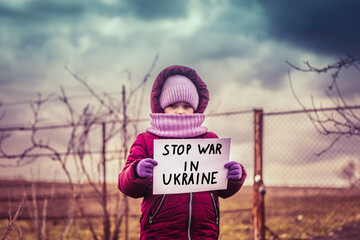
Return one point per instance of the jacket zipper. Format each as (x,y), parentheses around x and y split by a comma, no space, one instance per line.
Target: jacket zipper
(151,218)
(190,213)
(215,208)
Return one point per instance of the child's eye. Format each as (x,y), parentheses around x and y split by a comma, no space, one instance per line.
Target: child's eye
(172,106)
(188,106)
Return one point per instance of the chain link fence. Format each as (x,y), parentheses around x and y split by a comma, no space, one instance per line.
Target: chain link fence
(310,188)
(312,191)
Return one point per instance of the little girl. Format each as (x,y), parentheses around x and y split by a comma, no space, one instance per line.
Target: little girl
(178,100)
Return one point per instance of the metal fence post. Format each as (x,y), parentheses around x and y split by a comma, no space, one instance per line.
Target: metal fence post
(124,141)
(258,188)
(106,220)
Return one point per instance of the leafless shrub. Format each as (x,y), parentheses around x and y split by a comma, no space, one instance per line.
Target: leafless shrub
(113,117)
(116,113)
(351,173)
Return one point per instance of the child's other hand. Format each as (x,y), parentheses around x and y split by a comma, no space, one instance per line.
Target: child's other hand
(235,170)
(145,167)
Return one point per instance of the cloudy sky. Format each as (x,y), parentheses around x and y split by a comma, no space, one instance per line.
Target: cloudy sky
(242,44)
(239,48)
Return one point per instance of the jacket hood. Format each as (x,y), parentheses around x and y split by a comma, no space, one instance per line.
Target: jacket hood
(179,70)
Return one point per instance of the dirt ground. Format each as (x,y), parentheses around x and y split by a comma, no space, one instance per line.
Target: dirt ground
(348,232)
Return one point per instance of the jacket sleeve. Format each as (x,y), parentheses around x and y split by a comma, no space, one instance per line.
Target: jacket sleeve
(129,183)
(233,185)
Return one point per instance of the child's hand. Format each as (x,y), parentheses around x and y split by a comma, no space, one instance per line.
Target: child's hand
(235,170)
(145,167)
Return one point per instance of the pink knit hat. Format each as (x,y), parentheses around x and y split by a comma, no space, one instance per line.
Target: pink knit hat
(178,88)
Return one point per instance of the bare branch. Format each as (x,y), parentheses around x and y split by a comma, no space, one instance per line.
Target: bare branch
(43,223)
(349,61)
(330,146)
(2,113)
(12,219)
(83,81)
(88,222)
(143,82)
(346,122)
(70,220)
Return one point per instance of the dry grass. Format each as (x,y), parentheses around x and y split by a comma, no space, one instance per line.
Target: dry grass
(291,213)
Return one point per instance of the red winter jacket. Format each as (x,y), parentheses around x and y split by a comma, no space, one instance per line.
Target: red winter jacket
(173,216)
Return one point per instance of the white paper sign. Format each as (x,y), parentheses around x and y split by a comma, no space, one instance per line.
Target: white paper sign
(190,165)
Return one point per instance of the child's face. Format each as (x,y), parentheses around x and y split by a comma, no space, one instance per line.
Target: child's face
(179,108)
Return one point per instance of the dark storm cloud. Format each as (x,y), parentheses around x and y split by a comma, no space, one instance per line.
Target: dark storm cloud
(160,9)
(27,29)
(209,45)
(324,26)
(8,12)
(39,10)
(51,9)
(36,18)
(35,11)
(237,32)
(229,34)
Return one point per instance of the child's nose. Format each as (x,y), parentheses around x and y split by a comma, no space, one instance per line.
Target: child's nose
(180,111)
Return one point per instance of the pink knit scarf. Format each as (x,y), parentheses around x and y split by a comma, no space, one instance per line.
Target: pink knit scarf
(177,125)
